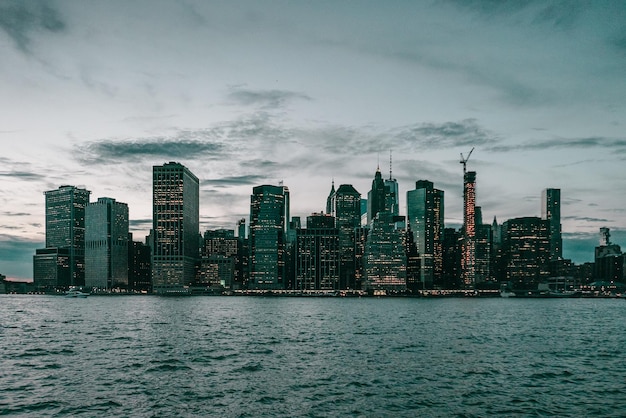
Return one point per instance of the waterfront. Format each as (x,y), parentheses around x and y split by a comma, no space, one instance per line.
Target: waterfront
(269,356)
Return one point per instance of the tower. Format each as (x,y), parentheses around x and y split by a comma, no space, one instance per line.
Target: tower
(269,219)
(347,211)
(176,227)
(106,244)
(65,227)
(425,213)
(551,211)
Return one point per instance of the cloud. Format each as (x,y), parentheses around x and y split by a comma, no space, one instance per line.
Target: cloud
(22,175)
(21,18)
(586,219)
(6,213)
(234,181)
(270,99)
(466,133)
(184,146)
(616,144)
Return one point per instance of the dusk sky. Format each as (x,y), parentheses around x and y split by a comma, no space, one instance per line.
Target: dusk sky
(243,93)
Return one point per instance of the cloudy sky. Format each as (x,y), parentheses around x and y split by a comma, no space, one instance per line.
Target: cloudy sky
(94,93)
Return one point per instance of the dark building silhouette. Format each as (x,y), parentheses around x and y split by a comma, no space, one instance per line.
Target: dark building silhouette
(218,259)
(483,273)
(269,220)
(609,260)
(317,254)
(451,277)
(243,255)
(139,266)
(551,212)
(414,281)
(376,197)
(175,225)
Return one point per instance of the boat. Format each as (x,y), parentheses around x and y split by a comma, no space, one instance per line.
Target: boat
(76,293)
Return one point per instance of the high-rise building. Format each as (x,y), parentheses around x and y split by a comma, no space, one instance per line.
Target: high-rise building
(65,227)
(139,266)
(384,255)
(218,264)
(51,269)
(425,213)
(484,238)
(376,197)
(551,211)
(451,259)
(175,225)
(526,248)
(468,245)
(106,244)
(269,220)
(347,211)
(317,254)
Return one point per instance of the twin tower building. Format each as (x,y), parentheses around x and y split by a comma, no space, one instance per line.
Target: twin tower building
(355,244)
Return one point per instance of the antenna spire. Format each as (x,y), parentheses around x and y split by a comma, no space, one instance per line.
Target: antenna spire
(390,176)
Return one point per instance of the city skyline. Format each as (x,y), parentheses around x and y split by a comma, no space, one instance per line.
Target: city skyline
(245,94)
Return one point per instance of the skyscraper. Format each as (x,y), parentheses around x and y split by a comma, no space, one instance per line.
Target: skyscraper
(347,212)
(425,212)
(376,197)
(269,219)
(551,211)
(526,251)
(384,255)
(317,254)
(106,244)
(468,245)
(175,224)
(65,227)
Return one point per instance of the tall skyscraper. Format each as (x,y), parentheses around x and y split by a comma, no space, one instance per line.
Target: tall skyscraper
(376,197)
(347,212)
(269,220)
(176,227)
(425,212)
(468,245)
(385,255)
(551,211)
(65,227)
(527,251)
(317,254)
(106,244)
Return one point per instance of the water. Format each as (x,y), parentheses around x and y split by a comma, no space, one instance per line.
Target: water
(145,356)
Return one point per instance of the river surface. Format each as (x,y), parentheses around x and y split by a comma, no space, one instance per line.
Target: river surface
(148,356)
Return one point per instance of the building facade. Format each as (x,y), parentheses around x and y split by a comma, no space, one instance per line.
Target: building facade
(106,244)
(551,212)
(346,208)
(468,245)
(425,216)
(526,248)
(175,224)
(317,255)
(65,227)
(269,220)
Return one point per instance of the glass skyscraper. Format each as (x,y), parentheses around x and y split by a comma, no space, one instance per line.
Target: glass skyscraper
(551,211)
(176,227)
(346,207)
(269,220)
(425,212)
(106,244)
(65,227)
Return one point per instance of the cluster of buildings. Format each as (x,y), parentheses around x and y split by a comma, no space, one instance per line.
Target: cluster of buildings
(355,244)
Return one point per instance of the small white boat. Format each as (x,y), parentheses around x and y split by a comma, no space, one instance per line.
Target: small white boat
(76,293)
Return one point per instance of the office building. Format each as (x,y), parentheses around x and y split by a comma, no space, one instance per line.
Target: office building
(526,249)
(65,227)
(51,269)
(106,244)
(139,266)
(346,208)
(269,220)
(551,212)
(175,225)
(468,244)
(317,254)
(384,256)
(425,213)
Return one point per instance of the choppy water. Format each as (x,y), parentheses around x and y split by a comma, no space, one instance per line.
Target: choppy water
(145,356)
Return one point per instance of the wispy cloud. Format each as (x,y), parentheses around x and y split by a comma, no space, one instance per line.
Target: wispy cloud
(180,147)
(616,144)
(22,175)
(586,219)
(234,181)
(269,99)
(21,18)
(6,213)
(465,133)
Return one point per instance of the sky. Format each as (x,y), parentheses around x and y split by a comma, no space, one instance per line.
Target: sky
(243,93)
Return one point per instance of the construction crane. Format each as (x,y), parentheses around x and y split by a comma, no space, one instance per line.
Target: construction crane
(464,160)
